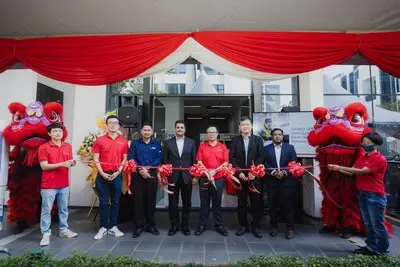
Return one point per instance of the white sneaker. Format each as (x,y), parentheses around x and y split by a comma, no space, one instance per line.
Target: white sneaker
(115,232)
(102,232)
(67,233)
(45,240)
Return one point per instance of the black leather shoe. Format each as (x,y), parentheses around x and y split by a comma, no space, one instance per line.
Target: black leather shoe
(273,232)
(185,230)
(172,231)
(289,234)
(200,230)
(326,230)
(242,231)
(137,232)
(257,233)
(361,250)
(221,230)
(153,230)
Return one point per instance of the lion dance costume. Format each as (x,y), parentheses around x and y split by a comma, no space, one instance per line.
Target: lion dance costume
(27,131)
(337,135)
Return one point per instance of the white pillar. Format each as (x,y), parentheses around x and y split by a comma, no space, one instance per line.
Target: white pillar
(89,104)
(311,96)
(174,110)
(257,94)
(190,76)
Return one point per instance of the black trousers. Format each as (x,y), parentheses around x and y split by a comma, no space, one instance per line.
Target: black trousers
(283,198)
(207,193)
(144,194)
(256,205)
(173,202)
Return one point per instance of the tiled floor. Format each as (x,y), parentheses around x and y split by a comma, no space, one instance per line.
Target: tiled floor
(209,248)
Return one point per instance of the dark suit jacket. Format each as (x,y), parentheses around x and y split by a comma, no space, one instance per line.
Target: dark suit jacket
(187,160)
(255,154)
(288,154)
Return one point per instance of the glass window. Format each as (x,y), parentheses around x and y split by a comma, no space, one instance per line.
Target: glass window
(281,95)
(179,69)
(175,88)
(220,88)
(210,71)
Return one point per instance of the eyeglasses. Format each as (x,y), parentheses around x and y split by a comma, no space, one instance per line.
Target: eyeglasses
(212,132)
(113,123)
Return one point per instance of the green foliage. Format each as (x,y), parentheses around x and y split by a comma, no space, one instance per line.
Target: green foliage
(79,259)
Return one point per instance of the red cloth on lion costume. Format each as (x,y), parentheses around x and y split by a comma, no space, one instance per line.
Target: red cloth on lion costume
(337,135)
(26,132)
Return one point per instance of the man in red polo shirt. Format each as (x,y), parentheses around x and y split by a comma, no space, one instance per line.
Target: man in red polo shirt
(213,155)
(55,158)
(110,152)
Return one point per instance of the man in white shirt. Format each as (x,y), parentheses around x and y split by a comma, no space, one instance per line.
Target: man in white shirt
(180,151)
(280,183)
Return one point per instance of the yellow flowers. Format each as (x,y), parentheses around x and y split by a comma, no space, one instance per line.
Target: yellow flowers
(85,149)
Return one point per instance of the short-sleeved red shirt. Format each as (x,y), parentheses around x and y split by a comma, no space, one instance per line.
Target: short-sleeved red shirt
(372,182)
(110,151)
(213,156)
(50,152)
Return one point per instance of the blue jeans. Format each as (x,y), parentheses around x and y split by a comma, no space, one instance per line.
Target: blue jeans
(109,190)
(372,206)
(48,196)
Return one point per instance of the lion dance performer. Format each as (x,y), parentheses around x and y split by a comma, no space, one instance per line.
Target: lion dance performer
(337,135)
(27,131)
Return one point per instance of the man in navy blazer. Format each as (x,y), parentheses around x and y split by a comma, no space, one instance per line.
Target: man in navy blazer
(180,151)
(280,183)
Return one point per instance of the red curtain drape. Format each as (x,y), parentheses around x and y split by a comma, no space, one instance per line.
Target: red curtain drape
(280,52)
(7,57)
(383,50)
(95,60)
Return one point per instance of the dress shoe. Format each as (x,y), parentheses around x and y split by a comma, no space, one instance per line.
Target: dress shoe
(326,230)
(137,232)
(200,230)
(257,233)
(273,232)
(185,230)
(172,231)
(242,231)
(153,230)
(361,250)
(221,230)
(289,234)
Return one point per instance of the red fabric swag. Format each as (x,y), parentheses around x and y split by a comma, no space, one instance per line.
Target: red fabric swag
(280,52)
(7,57)
(96,60)
(383,50)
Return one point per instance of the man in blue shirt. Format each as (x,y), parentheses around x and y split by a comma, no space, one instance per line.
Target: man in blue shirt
(146,152)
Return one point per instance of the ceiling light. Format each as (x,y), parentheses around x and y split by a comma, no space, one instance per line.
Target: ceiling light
(192,106)
(194,118)
(221,106)
(217,118)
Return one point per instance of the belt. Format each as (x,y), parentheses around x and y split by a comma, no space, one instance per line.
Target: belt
(110,172)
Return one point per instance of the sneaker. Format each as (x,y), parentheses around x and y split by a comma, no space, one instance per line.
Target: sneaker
(102,232)
(45,240)
(115,232)
(67,233)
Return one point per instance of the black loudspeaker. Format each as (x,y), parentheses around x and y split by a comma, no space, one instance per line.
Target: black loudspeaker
(129,117)
(290,109)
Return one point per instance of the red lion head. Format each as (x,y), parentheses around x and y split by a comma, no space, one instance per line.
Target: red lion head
(28,127)
(339,130)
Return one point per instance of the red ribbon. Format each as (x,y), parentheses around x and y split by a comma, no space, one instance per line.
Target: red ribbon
(297,170)
(228,172)
(164,170)
(197,170)
(257,170)
(129,168)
